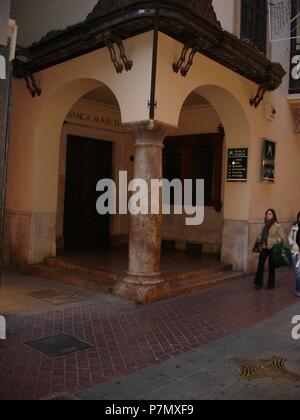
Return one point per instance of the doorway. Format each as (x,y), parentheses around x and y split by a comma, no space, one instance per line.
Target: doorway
(88,161)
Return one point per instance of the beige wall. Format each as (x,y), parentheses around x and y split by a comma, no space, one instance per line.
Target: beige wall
(83,120)
(33,170)
(229,94)
(226,11)
(37,123)
(34,150)
(245,126)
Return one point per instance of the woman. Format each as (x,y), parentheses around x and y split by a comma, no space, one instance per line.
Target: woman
(294,241)
(271,235)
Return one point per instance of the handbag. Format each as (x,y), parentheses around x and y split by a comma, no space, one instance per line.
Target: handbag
(258,247)
(282,256)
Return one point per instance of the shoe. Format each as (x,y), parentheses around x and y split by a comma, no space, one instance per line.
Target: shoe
(297,294)
(270,287)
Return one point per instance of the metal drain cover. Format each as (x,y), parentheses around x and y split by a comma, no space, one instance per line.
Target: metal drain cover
(274,368)
(58,345)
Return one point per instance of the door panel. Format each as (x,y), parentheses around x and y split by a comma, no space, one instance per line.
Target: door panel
(88,161)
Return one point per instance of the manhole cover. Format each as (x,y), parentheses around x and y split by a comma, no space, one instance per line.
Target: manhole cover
(274,368)
(58,345)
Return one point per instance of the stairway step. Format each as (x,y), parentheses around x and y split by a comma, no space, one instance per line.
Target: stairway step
(204,272)
(81,268)
(181,287)
(73,278)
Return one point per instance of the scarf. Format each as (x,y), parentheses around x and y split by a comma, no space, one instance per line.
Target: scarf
(266,230)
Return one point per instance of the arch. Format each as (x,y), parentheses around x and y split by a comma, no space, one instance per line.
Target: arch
(236,195)
(47,141)
(230,111)
(238,134)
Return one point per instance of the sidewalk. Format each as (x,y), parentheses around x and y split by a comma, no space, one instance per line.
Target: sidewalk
(208,373)
(203,329)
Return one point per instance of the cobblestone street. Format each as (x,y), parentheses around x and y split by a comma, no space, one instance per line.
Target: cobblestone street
(125,337)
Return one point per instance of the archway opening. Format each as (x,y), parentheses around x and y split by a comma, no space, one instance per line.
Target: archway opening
(212,121)
(196,152)
(91,139)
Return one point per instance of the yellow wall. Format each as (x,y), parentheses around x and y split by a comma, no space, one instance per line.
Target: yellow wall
(245,126)
(33,170)
(37,123)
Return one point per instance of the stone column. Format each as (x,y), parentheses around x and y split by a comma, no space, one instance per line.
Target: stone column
(143,281)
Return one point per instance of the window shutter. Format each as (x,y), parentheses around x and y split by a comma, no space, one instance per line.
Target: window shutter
(254,23)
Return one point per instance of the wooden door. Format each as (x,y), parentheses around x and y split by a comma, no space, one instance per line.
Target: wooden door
(88,161)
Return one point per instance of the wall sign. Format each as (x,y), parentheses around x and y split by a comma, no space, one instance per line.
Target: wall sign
(237,168)
(97,117)
(268,161)
(295,72)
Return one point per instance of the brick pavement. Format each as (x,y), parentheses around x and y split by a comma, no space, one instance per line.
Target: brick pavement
(128,337)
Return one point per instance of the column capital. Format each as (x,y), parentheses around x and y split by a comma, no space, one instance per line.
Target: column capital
(150,132)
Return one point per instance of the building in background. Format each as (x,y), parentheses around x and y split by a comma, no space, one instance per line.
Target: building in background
(102,86)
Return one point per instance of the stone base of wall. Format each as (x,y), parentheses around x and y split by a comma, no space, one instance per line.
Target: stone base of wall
(238,241)
(29,238)
(236,244)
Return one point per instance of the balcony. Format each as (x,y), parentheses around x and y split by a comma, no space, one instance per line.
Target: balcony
(189,22)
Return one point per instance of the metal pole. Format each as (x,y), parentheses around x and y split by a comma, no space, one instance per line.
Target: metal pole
(152,103)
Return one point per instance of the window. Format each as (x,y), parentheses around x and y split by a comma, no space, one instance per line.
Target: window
(196,157)
(295,27)
(254,23)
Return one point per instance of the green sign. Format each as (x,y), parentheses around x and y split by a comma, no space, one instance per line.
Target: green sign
(237,169)
(268,161)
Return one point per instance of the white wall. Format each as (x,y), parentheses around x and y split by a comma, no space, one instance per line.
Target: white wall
(226,13)
(37,17)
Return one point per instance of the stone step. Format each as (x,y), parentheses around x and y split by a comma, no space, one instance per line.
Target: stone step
(201,273)
(194,284)
(82,268)
(87,277)
(79,267)
(73,278)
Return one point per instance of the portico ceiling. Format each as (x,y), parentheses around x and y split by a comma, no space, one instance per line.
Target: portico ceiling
(187,21)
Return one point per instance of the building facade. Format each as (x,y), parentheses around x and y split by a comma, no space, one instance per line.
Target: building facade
(158,89)
(8,34)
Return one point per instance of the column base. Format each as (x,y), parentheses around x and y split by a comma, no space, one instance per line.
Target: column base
(128,288)
(143,279)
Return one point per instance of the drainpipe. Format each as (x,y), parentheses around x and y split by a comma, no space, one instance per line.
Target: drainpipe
(152,102)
